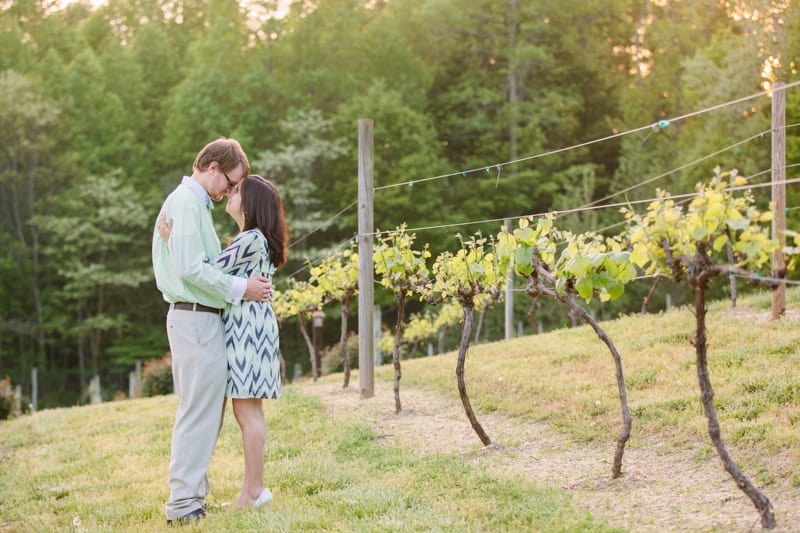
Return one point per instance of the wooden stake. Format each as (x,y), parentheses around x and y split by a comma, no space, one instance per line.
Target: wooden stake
(779,195)
(366,379)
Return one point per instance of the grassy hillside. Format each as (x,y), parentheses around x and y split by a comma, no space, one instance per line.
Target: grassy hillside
(104,468)
(566,378)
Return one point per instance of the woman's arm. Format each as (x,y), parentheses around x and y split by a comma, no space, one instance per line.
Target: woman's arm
(164,228)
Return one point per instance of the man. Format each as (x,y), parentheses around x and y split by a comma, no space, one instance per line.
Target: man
(196,293)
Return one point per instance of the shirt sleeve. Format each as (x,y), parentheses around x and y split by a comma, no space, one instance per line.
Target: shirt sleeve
(243,250)
(189,260)
(238,288)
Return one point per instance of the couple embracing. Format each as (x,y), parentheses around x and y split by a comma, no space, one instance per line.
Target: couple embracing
(222,331)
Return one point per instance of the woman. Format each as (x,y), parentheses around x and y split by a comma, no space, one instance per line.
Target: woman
(251,330)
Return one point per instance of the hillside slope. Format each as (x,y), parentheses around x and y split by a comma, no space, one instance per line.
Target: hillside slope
(338,463)
(551,407)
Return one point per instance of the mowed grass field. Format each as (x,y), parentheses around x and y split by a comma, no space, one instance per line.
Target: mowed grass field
(104,467)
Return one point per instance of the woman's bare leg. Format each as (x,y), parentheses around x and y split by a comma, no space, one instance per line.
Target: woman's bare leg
(249,414)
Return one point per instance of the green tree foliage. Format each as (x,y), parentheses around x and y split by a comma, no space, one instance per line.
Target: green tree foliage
(406,148)
(299,167)
(87,243)
(27,185)
(134,88)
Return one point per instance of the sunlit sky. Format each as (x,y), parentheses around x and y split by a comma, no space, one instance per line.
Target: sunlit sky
(774,11)
(283,5)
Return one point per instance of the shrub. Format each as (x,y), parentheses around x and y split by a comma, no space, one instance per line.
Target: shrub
(332,355)
(157,376)
(8,401)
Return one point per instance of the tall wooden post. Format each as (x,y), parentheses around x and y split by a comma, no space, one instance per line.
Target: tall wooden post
(779,195)
(366,378)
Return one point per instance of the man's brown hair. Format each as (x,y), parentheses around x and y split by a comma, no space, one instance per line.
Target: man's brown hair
(227,153)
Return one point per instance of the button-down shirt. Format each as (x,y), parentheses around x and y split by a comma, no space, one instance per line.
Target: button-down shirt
(184,268)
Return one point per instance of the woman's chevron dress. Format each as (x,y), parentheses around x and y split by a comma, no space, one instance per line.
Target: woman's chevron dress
(251,330)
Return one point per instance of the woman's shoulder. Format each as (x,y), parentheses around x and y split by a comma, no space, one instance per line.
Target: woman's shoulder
(251,236)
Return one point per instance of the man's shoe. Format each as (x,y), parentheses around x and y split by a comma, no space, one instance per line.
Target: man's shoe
(190,518)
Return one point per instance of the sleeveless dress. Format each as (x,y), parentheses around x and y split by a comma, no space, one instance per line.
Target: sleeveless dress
(251,330)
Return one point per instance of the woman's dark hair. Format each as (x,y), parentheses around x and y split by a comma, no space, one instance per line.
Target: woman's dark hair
(263,211)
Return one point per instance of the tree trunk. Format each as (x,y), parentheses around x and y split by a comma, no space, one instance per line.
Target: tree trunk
(699,281)
(35,252)
(284,379)
(343,342)
(636,44)
(532,314)
(512,24)
(731,262)
(627,420)
(414,348)
(650,294)
(441,335)
(303,321)
(573,318)
(398,339)
(81,355)
(575,309)
(480,324)
(462,387)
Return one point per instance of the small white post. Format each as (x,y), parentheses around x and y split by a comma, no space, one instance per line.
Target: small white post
(34,389)
(509,303)
(376,336)
(94,391)
(18,399)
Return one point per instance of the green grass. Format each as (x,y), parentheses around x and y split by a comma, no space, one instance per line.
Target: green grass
(104,468)
(559,377)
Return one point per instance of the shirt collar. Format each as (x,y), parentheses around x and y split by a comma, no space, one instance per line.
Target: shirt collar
(198,190)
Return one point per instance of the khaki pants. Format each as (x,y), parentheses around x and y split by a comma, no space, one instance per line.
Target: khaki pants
(199,369)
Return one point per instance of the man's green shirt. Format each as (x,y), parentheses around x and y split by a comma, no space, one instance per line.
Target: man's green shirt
(183,267)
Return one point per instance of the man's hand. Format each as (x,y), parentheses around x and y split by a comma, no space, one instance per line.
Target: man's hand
(259,289)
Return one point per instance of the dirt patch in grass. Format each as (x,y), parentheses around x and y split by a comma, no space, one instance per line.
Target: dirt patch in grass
(661,489)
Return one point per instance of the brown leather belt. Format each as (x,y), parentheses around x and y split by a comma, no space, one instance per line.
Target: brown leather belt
(186,306)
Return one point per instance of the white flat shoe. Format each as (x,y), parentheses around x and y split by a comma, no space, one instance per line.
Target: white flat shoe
(264,499)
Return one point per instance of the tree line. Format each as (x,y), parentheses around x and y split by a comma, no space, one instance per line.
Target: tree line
(103,109)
